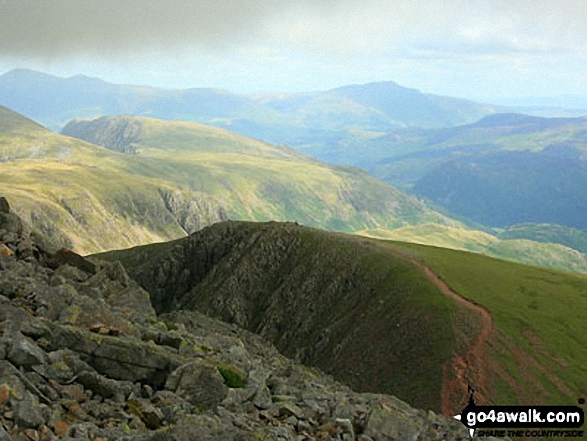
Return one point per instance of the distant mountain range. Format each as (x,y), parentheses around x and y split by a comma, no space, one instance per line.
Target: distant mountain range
(467,171)
(276,118)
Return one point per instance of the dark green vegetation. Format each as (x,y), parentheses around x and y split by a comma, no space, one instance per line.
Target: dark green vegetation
(180,177)
(345,304)
(359,309)
(539,353)
(232,378)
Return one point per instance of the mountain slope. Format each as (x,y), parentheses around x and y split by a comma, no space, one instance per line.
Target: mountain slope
(180,177)
(83,356)
(254,180)
(517,245)
(317,296)
(84,197)
(373,314)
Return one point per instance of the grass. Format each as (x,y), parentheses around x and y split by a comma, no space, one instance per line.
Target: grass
(232,378)
(100,199)
(541,312)
(520,250)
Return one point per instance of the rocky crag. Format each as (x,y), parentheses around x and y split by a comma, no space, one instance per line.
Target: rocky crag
(83,356)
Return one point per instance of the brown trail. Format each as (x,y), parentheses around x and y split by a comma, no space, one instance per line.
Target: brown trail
(471,366)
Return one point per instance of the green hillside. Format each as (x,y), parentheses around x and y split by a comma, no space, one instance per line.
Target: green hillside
(83,197)
(547,233)
(181,177)
(318,296)
(510,245)
(364,311)
(159,180)
(538,353)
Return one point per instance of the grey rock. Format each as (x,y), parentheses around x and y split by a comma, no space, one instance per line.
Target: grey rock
(27,413)
(68,272)
(345,425)
(3,435)
(385,423)
(199,383)
(21,352)
(290,409)
(149,414)
(117,358)
(98,384)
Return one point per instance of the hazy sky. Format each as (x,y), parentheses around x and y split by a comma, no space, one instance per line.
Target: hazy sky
(479,49)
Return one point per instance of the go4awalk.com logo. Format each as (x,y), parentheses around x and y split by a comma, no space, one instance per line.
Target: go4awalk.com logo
(522,421)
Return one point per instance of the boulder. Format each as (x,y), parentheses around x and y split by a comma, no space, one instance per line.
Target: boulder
(199,383)
(3,435)
(27,413)
(21,352)
(118,358)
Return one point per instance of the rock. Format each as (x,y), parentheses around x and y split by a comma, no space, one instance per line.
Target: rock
(27,413)
(346,426)
(61,428)
(21,352)
(3,435)
(69,272)
(4,206)
(149,414)
(199,383)
(117,358)
(98,384)
(289,409)
(262,399)
(68,257)
(385,423)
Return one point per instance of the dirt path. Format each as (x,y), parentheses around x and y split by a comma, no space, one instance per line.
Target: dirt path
(469,367)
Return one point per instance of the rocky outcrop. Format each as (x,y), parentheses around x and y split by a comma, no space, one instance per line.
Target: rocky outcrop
(77,363)
(192,213)
(119,134)
(317,296)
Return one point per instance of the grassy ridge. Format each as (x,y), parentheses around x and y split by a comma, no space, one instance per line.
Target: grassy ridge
(92,198)
(521,250)
(352,307)
(539,350)
(343,303)
(257,181)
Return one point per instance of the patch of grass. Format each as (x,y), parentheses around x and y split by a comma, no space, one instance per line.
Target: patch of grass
(171,326)
(231,378)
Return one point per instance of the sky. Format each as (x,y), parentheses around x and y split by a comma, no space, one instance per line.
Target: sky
(487,50)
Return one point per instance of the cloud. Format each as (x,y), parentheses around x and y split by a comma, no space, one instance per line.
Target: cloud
(108,28)
(115,29)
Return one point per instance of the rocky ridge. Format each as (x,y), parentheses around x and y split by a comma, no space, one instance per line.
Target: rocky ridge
(83,356)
